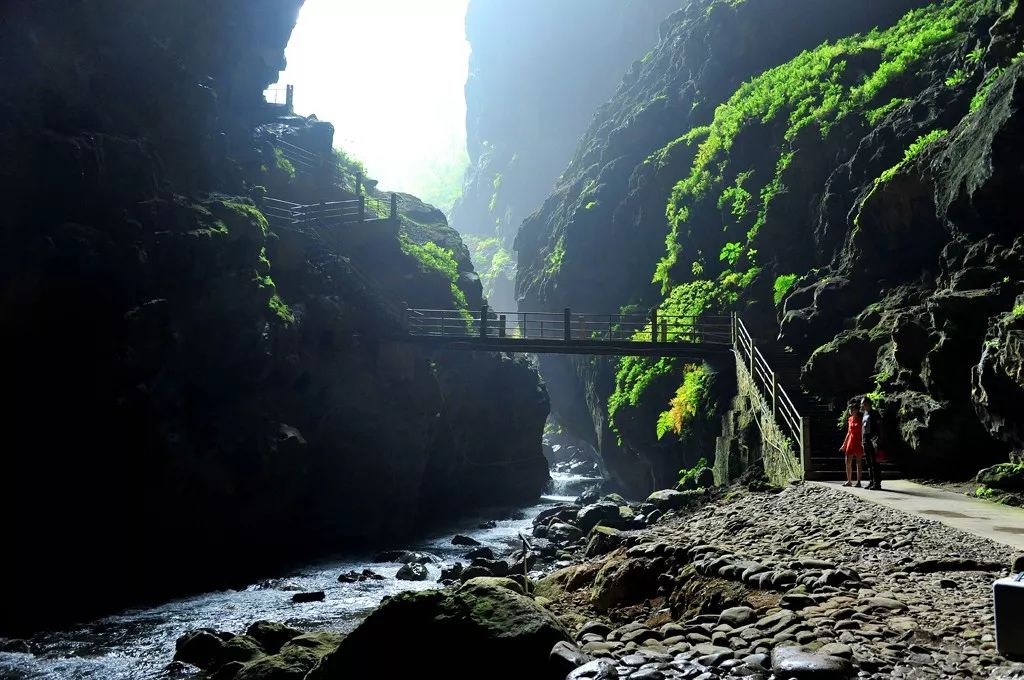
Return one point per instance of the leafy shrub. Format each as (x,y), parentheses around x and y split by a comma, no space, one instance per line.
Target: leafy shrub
(433,258)
(782,286)
(687,475)
(690,399)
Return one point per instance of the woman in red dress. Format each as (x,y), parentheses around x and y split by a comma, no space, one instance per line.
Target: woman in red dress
(853,448)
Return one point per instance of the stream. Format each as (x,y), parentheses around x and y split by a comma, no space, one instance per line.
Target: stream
(140,643)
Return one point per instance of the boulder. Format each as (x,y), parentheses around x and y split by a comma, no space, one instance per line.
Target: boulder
(495,567)
(705,478)
(624,580)
(1004,477)
(669,499)
(495,581)
(200,648)
(602,540)
(295,659)
(482,551)
(562,533)
(15,647)
(412,572)
(465,540)
(603,512)
(483,628)
(792,662)
(315,596)
(271,636)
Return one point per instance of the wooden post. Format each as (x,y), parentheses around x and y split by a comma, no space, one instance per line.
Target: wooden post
(753,374)
(442,324)
(654,325)
(289,97)
(611,321)
(664,330)
(732,328)
(394,206)
(362,208)
(483,321)
(522,325)
(583,329)
(566,325)
(359,183)
(501,326)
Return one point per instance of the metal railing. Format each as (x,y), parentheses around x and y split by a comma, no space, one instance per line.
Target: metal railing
(765,380)
(280,96)
(569,327)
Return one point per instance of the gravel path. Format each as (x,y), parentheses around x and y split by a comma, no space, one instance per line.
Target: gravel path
(866,590)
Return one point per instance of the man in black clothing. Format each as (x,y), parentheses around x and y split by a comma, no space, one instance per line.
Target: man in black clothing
(870,432)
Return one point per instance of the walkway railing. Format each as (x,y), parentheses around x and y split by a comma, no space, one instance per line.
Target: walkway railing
(569,327)
(766,382)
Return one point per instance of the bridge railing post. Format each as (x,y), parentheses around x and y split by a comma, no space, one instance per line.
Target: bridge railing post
(501,326)
(362,208)
(483,321)
(775,397)
(654,325)
(443,315)
(566,325)
(664,330)
(805,444)
(394,207)
(289,97)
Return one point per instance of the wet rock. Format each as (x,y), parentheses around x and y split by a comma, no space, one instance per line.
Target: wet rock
(495,582)
(669,499)
(271,636)
(452,573)
(296,658)
(482,625)
(15,647)
(791,662)
(200,648)
(412,572)
(603,512)
(599,669)
(937,564)
(602,540)
(495,567)
(483,551)
(561,533)
(465,541)
(314,596)
(737,616)
(565,658)
(489,524)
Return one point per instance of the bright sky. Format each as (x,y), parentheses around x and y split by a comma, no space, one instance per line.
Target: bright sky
(390,75)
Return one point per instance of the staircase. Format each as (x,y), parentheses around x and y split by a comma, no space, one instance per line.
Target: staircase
(827,462)
(816,427)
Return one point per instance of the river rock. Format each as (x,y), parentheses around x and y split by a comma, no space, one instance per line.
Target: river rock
(602,540)
(602,512)
(271,636)
(792,662)
(314,596)
(15,647)
(668,499)
(483,551)
(200,648)
(737,616)
(296,658)
(412,572)
(496,582)
(562,533)
(566,657)
(479,626)
(465,540)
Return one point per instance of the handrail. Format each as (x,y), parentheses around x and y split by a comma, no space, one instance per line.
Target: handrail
(765,380)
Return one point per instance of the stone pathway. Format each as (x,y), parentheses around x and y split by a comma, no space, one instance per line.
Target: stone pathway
(995,522)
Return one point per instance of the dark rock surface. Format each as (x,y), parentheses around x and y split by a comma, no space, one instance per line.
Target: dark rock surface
(188,374)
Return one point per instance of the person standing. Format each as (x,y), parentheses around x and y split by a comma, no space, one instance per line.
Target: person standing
(853,446)
(871,431)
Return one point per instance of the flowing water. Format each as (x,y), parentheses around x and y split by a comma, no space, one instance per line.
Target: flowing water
(140,643)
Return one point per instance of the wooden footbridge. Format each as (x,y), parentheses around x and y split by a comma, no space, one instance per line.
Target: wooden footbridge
(696,338)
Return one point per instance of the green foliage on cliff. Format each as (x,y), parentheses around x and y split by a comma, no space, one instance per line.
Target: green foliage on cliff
(283,165)
(433,258)
(810,90)
(283,311)
(492,262)
(782,286)
(690,399)
(348,167)
(632,379)
(875,115)
(555,257)
(982,94)
(912,152)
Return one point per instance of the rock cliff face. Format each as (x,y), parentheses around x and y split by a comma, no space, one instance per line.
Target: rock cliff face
(196,395)
(839,173)
(538,70)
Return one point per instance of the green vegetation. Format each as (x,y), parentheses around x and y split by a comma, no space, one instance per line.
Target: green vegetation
(984,492)
(875,115)
(688,476)
(491,261)
(555,257)
(975,55)
(634,376)
(982,94)
(433,258)
(1017,312)
(282,310)
(283,165)
(493,204)
(807,91)
(958,77)
(731,253)
(349,168)
(782,286)
(912,152)
(689,400)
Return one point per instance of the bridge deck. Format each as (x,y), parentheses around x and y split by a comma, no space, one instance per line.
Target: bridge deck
(684,350)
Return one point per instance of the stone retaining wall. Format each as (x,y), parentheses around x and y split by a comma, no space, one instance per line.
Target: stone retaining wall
(750,434)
